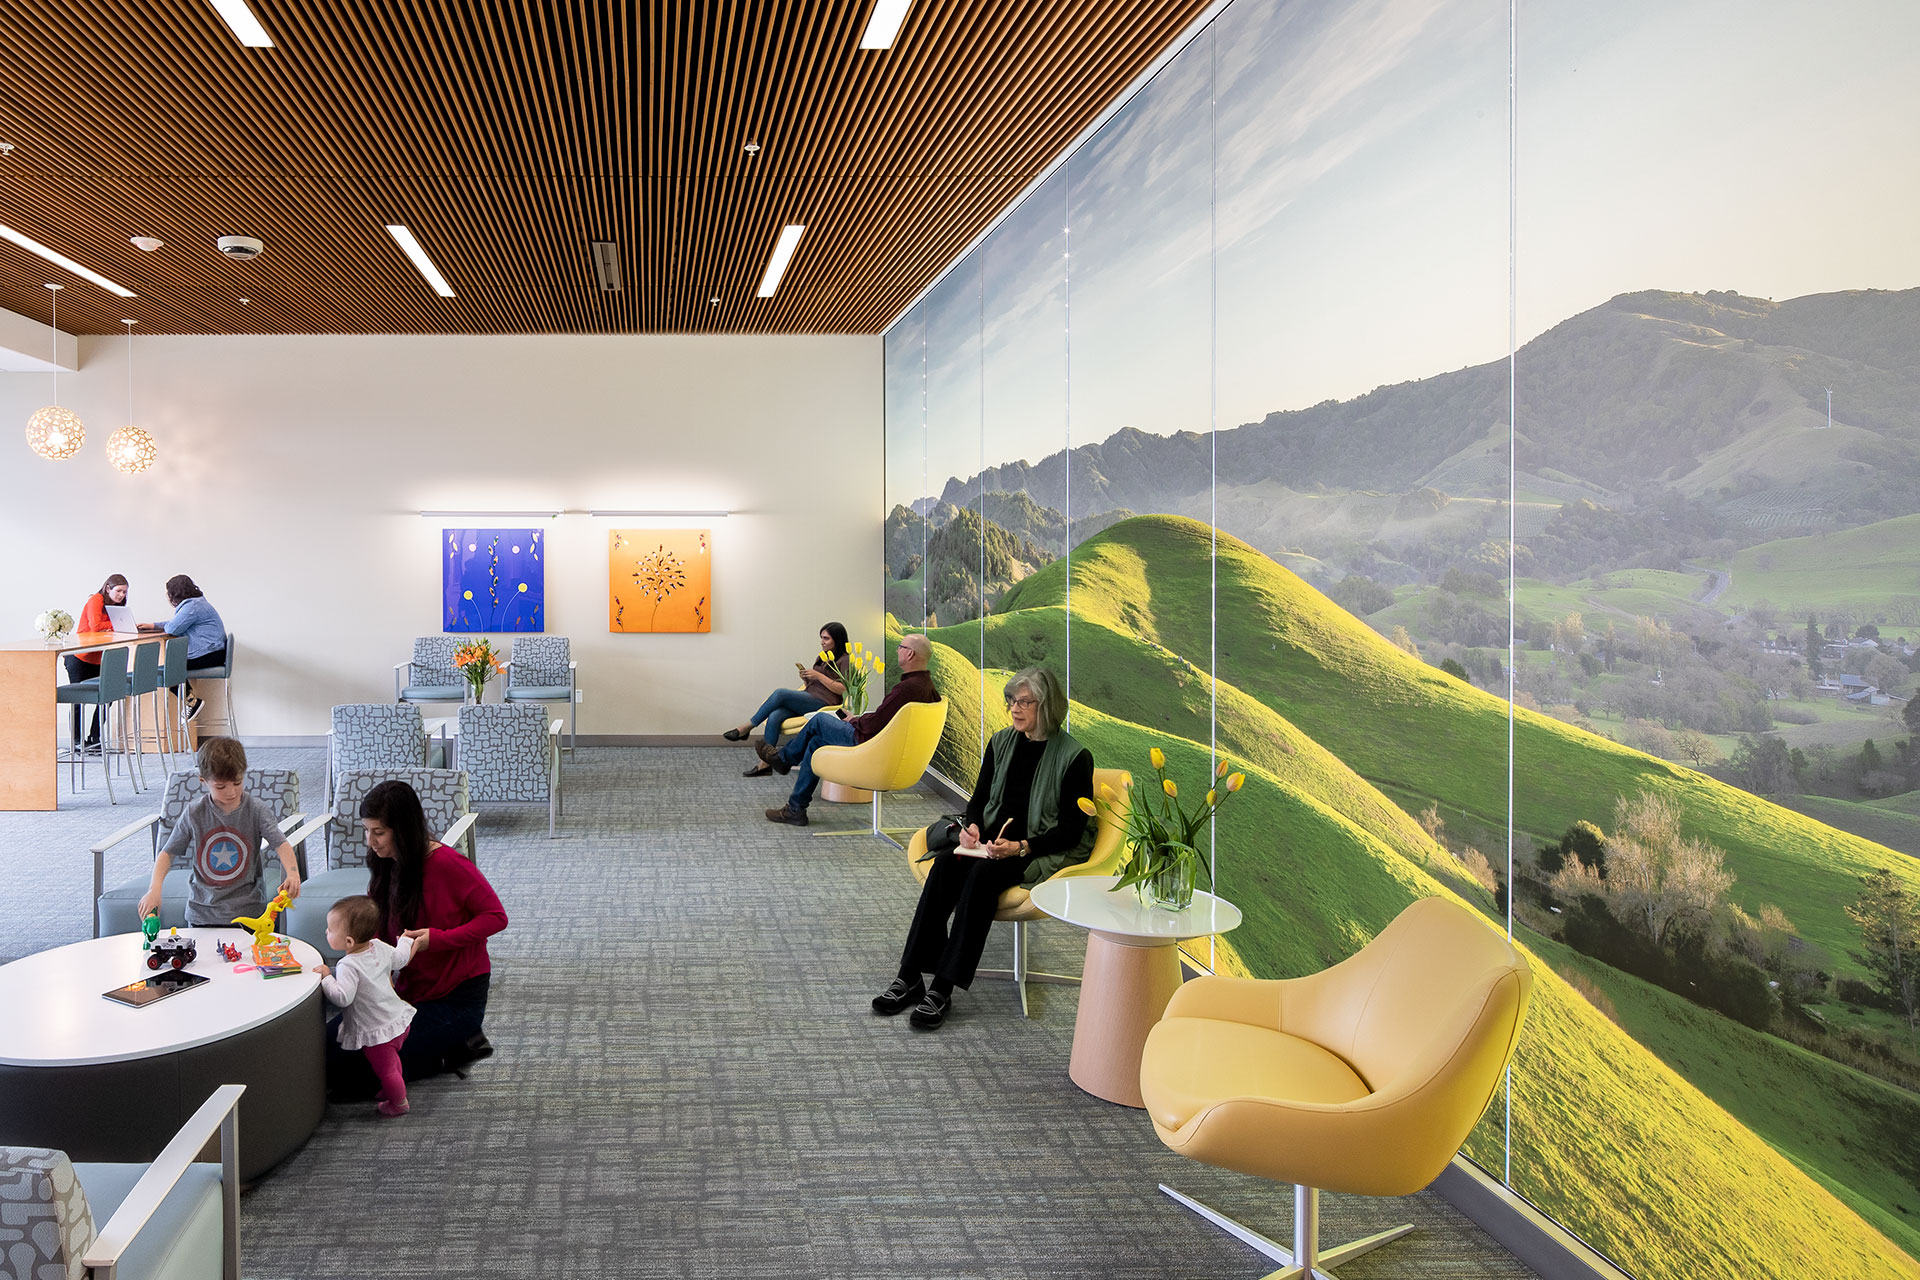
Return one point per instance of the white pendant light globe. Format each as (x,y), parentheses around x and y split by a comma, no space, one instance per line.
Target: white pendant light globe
(55,433)
(131,450)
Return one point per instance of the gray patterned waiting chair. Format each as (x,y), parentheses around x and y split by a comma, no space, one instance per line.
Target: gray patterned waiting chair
(375,735)
(431,676)
(175,1218)
(443,797)
(512,755)
(542,669)
(117,910)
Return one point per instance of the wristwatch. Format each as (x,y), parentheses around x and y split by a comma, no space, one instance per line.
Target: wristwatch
(1024,848)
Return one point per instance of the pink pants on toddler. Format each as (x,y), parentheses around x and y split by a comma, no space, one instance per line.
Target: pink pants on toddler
(385,1061)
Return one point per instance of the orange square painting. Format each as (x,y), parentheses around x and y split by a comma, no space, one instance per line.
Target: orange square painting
(659,580)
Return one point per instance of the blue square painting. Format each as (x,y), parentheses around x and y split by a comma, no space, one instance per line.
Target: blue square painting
(493,580)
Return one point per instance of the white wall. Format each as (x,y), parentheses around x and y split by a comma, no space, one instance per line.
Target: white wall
(292,471)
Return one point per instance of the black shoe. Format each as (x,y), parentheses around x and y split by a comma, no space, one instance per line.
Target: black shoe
(90,749)
(931,1013)
(193,706)
(758,771)
(899,997)
(788,814)
(771,755)
(477,1046)
(734,735)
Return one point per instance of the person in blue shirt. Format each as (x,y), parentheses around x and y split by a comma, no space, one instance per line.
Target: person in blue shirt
(198,621)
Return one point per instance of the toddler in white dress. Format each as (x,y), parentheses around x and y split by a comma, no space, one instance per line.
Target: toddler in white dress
(374,1019)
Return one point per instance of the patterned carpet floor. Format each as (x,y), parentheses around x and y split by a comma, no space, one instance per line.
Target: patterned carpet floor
(688,1082)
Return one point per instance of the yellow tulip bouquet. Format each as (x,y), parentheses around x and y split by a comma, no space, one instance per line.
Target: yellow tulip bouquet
(1161,861)
(855,670)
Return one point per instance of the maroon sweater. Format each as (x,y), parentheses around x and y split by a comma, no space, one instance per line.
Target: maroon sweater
(463,911)
(913,686)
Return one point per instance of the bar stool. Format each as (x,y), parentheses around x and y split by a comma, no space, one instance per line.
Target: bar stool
(173,678)
(224,672)
(146,680)
(106,691)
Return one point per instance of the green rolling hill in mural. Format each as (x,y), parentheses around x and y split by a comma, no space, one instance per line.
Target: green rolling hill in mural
(1405,726)
(1614,1130)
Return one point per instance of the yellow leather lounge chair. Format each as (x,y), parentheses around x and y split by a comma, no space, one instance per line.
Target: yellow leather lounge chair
(1364,1078)
(1016,904)
(891,760)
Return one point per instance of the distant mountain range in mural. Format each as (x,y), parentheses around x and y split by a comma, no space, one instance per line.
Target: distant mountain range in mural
(1705,413)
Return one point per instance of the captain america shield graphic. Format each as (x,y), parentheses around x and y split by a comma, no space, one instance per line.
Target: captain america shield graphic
(222,858)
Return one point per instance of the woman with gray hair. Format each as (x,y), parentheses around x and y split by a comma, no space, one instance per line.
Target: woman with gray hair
(1023,823)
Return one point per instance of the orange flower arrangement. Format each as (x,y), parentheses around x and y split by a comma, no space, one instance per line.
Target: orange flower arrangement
(478,662)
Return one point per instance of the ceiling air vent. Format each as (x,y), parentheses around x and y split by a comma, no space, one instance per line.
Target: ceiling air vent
(606,265)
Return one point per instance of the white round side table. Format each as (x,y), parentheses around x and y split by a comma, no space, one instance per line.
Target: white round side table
(1132,970)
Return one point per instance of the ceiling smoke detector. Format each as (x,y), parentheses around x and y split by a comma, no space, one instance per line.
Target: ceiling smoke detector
(240,248)
(146,243)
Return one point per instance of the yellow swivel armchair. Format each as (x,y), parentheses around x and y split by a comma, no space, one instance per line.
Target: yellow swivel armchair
(1016,904)
(892,759)
(1364,1078)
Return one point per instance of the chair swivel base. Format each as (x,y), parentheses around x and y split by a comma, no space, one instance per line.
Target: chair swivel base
(1306,1237)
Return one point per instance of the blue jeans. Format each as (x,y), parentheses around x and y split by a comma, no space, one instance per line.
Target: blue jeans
(780,704)
(821,731)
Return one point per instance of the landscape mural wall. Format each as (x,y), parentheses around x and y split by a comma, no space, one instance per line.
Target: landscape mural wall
(1230,422)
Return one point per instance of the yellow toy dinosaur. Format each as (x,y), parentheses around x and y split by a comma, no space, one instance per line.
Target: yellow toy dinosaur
(262,924)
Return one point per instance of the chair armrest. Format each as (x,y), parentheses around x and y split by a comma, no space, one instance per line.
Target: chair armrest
(291,821)
(131,829)
(167,1170)
(458,832)
(302,835)
(398,682)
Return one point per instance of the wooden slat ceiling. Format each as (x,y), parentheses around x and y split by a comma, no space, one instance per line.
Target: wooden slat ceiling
(508,136)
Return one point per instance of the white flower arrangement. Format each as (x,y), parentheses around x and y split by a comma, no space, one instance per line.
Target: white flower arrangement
(54,624)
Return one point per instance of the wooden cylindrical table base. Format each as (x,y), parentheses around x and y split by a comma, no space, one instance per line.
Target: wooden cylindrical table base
(834,793)
(1126,986)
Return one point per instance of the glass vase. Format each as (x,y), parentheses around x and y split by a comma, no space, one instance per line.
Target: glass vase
(1171,887)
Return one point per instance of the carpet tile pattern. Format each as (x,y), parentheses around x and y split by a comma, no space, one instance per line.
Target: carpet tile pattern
(688,1083)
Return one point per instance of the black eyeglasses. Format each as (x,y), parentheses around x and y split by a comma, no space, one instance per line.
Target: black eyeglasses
(1026,703)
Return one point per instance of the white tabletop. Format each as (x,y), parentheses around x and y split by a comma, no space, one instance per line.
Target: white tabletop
(1092,903)
(56,1015)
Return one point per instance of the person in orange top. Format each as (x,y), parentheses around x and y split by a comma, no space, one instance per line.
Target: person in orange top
(86,666)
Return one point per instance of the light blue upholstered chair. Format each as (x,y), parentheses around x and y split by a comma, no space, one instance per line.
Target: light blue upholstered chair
(443,797)
(375,735)
(117,910)
(511,755)
(173,1219)
(542,669)
(431,676)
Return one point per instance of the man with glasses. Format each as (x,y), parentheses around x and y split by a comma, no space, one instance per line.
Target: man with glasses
(914,685)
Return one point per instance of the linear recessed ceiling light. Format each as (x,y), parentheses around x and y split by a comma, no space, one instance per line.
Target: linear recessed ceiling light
(240,20)
(63,261)
(884,26)
(782,255)
(418,256)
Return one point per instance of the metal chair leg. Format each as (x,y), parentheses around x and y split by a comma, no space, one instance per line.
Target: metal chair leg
(139,747)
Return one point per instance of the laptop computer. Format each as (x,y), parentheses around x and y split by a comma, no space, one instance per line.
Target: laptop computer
(120,617)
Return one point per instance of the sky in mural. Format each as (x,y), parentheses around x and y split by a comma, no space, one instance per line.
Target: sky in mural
(1351,166)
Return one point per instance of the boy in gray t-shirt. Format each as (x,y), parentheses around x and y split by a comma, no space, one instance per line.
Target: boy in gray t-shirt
(220,833)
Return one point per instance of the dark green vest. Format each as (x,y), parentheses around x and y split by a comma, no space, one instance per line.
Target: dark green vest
(1042,815)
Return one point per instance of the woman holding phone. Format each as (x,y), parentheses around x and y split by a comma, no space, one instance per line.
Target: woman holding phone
(1023,823)
(821,685)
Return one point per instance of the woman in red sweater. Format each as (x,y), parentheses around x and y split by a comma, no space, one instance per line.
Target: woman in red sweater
(438,898)
(86,666)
